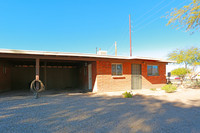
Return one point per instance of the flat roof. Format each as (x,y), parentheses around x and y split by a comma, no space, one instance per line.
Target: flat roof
(31,52)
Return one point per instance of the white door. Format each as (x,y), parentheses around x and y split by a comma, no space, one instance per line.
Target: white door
(90,76)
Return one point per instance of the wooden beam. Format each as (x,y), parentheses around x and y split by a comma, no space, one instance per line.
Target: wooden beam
(37,69)
(64,58)
(37,72)
(69,58)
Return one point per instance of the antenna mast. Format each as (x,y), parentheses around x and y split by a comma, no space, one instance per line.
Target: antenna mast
(130,34)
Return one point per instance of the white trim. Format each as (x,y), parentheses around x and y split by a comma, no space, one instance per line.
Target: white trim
(95,89)
(30,52)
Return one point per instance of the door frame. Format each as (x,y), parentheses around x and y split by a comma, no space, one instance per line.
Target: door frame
(90,76)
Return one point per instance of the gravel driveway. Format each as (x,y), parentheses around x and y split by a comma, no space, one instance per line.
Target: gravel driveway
(62,112)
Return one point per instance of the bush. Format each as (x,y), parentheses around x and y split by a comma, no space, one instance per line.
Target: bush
(181,73)
(153,89)
(169,88)
(127,95)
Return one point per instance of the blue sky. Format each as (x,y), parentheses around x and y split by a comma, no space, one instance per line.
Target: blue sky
(82,25)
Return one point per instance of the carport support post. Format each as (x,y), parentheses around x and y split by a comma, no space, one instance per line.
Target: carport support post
(45,74)
(37,70)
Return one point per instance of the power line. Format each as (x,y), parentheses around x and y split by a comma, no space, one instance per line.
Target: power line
(123,35)
(155,13)
(111,47)
(155,19)
(149,10)
(126,31)
(146,25)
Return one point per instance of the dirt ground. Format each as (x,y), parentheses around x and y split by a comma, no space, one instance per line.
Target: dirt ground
(188,97)
(147,111)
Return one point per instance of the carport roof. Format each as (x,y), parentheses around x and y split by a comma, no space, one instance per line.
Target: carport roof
(65,54)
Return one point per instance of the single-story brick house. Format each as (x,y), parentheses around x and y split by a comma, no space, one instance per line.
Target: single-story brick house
(97,73)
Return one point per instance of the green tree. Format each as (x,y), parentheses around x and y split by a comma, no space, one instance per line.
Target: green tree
(193,56)
(187,57)
(186,17)
(180,72)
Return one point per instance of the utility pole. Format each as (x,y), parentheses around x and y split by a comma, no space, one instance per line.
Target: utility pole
(115,48)
(130,34)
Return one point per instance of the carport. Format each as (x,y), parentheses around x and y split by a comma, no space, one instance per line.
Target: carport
(56,72)
(76,71)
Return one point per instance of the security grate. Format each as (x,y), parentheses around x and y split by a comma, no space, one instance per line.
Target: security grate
(136,77)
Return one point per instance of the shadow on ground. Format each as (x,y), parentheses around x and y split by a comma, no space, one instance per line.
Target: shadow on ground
(88,113)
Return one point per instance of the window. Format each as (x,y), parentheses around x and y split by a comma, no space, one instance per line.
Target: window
(152,70)
(116,69)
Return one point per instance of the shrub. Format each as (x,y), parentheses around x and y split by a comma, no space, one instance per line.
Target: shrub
(169,88)
(127,95)
(153,89)
(180,72)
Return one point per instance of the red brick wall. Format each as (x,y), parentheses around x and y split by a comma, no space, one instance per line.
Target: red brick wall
(161,79)
(107,82)
(5,78)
